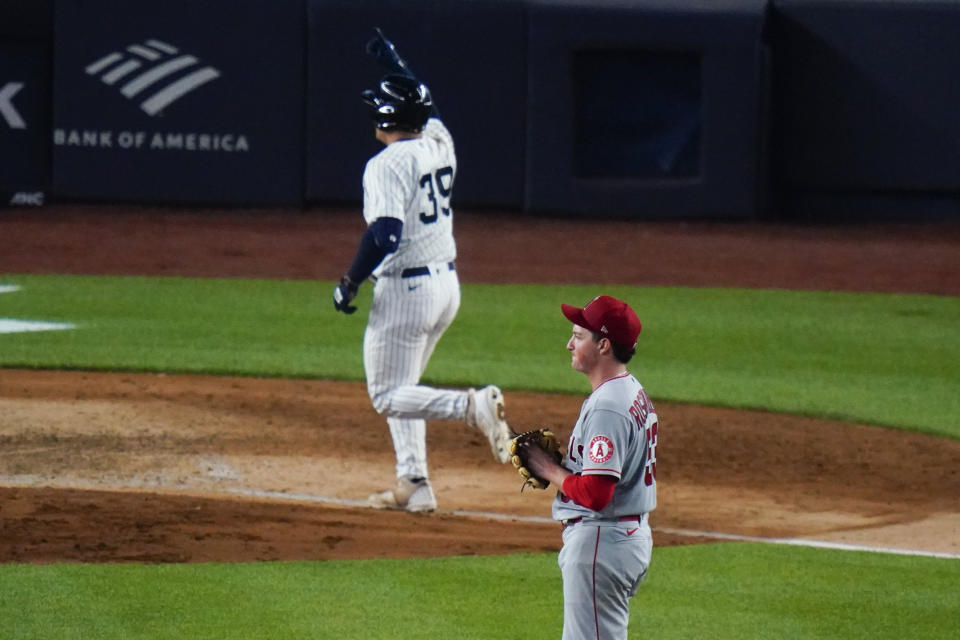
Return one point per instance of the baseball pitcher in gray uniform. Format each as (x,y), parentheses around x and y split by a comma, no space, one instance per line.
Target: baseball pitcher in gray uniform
(607,478)
(408,250)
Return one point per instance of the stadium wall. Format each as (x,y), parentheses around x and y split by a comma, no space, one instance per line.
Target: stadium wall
(865,107)
(183,101)
(648,109)
(25,102)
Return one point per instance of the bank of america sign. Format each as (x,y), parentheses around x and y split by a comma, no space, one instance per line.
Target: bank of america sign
(154,73)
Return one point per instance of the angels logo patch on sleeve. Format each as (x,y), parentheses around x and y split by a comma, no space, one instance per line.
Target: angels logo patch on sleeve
(600,449)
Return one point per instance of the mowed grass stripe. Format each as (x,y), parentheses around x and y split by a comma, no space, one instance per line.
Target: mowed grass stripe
(891,360)
(716,591)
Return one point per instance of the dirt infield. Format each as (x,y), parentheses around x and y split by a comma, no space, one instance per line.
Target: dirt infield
(98,467)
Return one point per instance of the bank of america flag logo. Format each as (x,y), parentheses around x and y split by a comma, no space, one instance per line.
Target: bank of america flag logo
(154,72)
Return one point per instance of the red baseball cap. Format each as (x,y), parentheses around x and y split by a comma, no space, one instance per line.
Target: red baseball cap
(608,316)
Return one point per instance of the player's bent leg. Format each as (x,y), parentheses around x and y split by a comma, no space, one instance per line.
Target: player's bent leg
(414,401)
(480,408)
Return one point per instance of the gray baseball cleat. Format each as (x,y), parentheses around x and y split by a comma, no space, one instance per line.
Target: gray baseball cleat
(485,411)
(414,495)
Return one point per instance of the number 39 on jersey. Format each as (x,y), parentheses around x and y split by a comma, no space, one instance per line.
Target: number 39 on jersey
(438,186)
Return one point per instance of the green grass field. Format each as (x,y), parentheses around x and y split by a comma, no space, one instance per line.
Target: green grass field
(728,591)
(879,359)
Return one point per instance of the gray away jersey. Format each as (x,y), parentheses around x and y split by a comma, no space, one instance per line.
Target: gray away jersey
(615,435)
(413,180)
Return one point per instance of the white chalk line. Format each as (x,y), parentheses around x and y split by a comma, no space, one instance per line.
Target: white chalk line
(13,325)
(36,481)
(808,542)
(714,535)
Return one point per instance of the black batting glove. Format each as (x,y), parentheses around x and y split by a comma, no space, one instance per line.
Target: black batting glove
(343,293)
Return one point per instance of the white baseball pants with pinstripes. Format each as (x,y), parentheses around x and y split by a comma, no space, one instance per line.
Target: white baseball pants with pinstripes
(407,318)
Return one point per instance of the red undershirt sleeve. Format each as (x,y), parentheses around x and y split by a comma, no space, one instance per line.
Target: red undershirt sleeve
(593,491)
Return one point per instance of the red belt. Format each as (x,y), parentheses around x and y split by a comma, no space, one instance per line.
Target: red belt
(637,518)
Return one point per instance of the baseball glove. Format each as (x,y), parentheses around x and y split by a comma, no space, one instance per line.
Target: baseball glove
(520,451)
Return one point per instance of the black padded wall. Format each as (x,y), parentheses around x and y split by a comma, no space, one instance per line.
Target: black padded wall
(645,108)
(470,54)
(154,104)
(25,32)
(866,101)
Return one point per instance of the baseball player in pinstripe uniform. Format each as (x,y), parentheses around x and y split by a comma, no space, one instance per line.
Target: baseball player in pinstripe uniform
(608,477)
(408,249)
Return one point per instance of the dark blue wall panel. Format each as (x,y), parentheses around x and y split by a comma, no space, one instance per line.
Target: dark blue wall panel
(470,54)
(682,88)
(25,19)
(24,101)
(866,101)
(182,101)
(638,108)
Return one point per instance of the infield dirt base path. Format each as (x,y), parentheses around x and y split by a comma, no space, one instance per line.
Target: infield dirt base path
(100,467)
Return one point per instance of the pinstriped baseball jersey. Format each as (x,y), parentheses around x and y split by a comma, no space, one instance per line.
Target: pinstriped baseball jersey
(616,434)
(413,180)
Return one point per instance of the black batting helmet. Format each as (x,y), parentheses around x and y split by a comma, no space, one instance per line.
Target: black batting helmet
(399,102)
